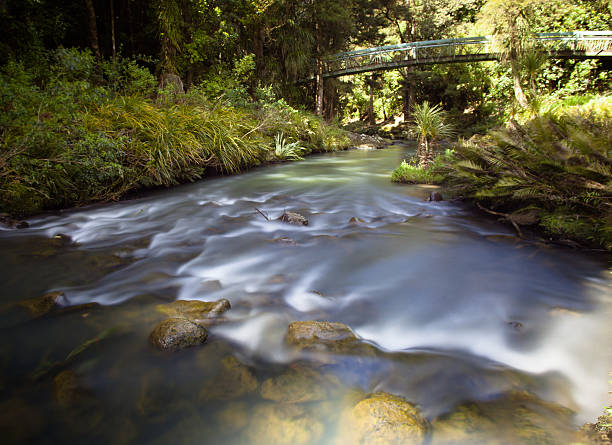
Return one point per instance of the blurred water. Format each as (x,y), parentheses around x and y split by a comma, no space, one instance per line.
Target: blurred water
(415,278)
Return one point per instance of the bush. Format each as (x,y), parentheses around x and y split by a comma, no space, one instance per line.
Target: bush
(411,173)
(557,163)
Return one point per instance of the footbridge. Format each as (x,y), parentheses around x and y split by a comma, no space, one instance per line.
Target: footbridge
(560,45)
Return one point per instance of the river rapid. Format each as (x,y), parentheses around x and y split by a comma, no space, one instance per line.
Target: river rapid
(457,309)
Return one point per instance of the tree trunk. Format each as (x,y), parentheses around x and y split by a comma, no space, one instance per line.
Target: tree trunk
(131,27)
(319,86)
(423,153)
(371,117)
(516,78)
(93,29)
(408,92)
(113,40)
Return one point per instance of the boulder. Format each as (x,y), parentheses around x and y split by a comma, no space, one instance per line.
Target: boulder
(516,417)
(174,334)
(233,381)
(282,424)
(319,335)
(195,310)
(293,218)
(298,385)
(382,418)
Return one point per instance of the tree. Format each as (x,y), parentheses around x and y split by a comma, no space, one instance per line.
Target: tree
(93,28)
(429,122)
(511,23)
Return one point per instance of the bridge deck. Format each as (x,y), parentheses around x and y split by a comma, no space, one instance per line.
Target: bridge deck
(567,45)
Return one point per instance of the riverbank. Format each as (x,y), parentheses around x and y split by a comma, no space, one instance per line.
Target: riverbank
(552,173)
(72,134)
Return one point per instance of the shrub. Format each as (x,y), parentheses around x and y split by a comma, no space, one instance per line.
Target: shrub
(558,163)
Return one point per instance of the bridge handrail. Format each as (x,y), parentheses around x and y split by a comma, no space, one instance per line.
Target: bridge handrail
(462,41)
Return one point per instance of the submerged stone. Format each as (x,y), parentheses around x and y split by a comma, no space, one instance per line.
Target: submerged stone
(68,389)
(195,310)
(282,424)
(293,218)
(41,305)
(174,334)
(312,333)
(234,380)
(517,417)
(234,416)
(299,385)
(382,418)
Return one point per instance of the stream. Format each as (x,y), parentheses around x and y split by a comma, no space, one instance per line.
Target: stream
(495,339)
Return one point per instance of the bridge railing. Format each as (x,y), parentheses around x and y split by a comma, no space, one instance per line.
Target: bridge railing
(579,43)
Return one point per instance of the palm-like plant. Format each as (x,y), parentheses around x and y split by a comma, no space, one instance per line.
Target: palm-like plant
(429,122)
(283,150)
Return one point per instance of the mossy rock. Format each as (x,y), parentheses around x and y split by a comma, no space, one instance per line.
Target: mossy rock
(315,334)
(382,419)
(40,306)
(234,380)
(68,389)
(327,337)
(195,310)
(174,334)
(293,218)
(282,424)
(299,385)
(233,417)
(516,417)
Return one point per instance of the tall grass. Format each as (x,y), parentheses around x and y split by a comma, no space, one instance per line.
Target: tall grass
(70,142)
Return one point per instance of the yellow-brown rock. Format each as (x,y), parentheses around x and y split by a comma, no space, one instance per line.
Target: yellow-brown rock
(298,385)
(382,419)
(234,380)
(282,424)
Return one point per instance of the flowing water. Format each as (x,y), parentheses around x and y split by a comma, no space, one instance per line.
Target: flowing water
(457,310)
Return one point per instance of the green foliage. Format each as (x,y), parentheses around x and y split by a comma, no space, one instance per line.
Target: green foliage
(558,162)
(286,151)
(93,131)
(411,173)
(429,123)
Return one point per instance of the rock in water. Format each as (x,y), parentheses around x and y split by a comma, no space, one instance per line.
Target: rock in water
(382,418)
(233,381)
(299,385)
(435,197)
(68,390)
(41,305)
(314,334)
(195,310)
(282,424)
(174,334)
(293,218)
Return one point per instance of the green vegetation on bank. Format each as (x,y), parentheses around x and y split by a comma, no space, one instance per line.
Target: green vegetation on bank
(78,130)
(553,171)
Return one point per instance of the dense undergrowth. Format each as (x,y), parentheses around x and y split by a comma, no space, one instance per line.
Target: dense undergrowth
(554,171)
(74,130)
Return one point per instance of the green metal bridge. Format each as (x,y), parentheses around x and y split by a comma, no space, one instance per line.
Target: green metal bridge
(562,45)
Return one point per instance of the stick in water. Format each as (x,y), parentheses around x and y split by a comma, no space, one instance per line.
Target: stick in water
(262,214)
